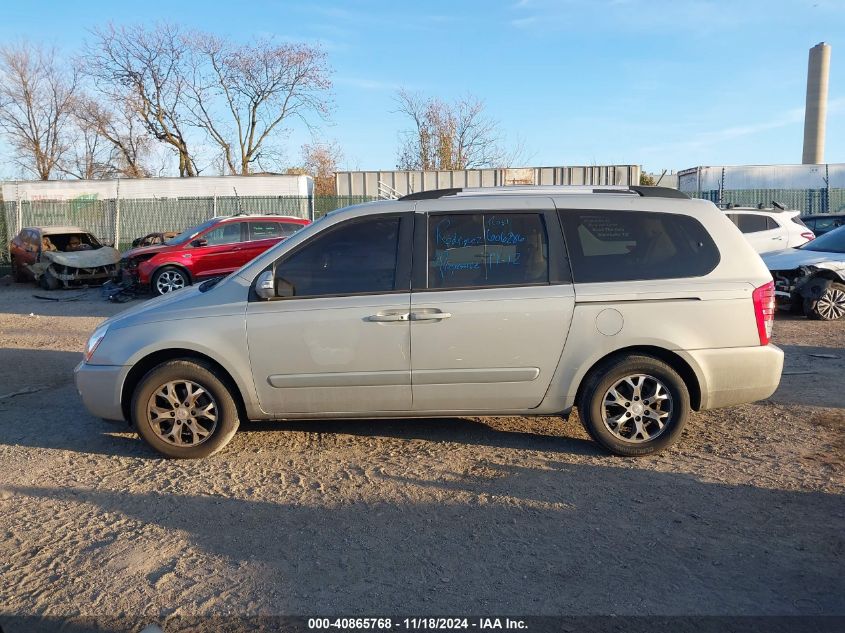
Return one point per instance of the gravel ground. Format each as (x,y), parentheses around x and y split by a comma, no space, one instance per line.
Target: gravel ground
(472,516)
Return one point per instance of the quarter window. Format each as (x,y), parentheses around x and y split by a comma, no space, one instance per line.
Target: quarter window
(487,249)
(358,257)
(630,245)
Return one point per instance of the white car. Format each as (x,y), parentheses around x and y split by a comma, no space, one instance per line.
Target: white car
(770,229)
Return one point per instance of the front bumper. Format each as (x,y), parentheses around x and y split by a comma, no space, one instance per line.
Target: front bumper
(99,386)
(736,375)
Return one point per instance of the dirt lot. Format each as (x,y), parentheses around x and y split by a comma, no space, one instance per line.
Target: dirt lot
(471,516)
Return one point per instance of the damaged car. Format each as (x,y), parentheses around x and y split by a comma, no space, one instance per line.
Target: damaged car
(152,239)
(61,256)
(811,278)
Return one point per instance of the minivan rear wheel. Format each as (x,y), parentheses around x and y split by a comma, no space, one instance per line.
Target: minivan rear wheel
(634,405)
(183,410)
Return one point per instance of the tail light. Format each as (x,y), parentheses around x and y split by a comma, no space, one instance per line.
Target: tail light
(764,311)
(808,236)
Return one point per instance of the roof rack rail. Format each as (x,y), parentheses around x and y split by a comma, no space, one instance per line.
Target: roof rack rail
(431,194)
(642,191)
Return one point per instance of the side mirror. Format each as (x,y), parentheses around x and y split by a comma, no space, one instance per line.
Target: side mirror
(199,242)
(265,286)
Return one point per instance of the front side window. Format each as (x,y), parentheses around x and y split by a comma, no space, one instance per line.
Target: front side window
(630,245)
(357,257)
(226,233)
(487,250)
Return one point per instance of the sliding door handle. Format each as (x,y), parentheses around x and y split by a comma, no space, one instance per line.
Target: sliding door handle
(387,318)
(429,316)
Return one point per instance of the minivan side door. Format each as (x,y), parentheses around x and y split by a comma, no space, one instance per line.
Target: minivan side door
(341,342)
(491,304)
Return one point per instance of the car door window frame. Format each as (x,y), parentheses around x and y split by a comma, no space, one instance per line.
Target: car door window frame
(243,233)
(559,271)
(402,276)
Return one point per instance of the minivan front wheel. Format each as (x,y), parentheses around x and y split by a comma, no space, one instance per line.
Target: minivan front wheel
(182,409)
(634,405)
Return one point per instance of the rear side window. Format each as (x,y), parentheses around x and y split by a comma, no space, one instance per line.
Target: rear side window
(750,223)
(270,229)
(630,245)
(483,250)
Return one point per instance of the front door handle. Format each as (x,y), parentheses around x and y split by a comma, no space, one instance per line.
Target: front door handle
(387,318)
(429,316)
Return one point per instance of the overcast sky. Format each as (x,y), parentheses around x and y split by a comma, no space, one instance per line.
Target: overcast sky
(666,84)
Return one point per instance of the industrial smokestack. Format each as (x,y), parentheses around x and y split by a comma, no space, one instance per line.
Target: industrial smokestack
(815,112)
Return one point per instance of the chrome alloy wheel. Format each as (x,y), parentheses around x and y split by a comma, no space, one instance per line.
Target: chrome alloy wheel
(182,413)
(170,280)
(831,305)
(637,408)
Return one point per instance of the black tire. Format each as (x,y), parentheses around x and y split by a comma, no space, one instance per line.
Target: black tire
(49,281)
(169,273)
(598,384)
(160,435)
(18,272)
(829,307)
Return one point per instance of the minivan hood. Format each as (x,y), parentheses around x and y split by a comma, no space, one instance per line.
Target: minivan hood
(163,303)
(792,258)
(228,297)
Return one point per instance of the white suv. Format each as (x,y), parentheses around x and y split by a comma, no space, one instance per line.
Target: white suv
(634,305)
(770,229)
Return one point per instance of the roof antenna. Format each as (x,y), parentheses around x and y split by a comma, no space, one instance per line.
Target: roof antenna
(778,205)
(237,201)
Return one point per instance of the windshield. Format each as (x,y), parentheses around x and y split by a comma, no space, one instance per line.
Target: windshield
(833,242)
(187,234)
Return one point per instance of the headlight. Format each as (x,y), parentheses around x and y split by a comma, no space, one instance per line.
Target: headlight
(95,340)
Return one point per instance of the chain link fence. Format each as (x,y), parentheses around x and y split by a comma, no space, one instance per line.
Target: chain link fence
(121,221)
(805,200)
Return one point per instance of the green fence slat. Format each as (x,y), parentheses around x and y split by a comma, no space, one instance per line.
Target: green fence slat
(137,217)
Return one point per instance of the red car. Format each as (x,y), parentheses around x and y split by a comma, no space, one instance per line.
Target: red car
(214,248)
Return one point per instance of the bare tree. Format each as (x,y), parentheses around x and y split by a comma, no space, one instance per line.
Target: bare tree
(321,161)
(118,132)
(89,155)
(35,106)
(446,135)
(241,94)
(148,70)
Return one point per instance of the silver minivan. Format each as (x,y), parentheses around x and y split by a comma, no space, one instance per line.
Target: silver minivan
(635,305)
